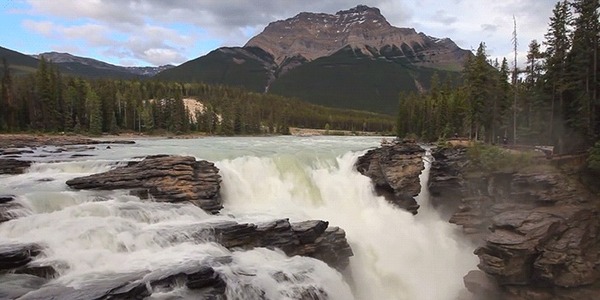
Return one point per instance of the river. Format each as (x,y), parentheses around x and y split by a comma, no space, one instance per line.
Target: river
(90,234)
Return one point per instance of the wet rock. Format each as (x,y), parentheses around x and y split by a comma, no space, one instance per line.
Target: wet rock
(41,269)
(13,286)
(482,285)
(309,238)
(10,209)
(167,178)
(81,155)
(15,151)
(203,280)
(394,169)
(312,238)
(13,256)
(13,166)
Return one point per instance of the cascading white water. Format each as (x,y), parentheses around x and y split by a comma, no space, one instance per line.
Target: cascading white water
(396,255)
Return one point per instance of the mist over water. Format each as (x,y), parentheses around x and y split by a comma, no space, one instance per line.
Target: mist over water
(89,234)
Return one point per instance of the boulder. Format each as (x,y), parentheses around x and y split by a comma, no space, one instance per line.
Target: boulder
(13,166)
(167,178)
(394,169)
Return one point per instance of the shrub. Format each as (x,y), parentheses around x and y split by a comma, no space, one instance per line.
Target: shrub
(486,158)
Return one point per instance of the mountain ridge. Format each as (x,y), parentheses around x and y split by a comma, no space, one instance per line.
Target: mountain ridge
(67,58)
(352,59)
(315,35)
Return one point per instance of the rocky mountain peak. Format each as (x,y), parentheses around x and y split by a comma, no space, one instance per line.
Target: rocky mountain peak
(362,12)
(308,36)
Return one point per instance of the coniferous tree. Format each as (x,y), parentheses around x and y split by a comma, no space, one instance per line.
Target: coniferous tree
(558,45)
(94,112)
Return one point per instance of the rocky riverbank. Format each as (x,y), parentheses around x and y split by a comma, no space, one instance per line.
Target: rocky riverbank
(16,150)
(538,228)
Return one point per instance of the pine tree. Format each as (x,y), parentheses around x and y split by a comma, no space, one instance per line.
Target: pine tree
(582,68)
(558,45)
(94,112)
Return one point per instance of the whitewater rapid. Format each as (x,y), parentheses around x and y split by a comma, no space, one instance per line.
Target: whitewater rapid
(90,234)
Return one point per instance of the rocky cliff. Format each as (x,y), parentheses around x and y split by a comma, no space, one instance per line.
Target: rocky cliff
(538,229)
(394,169)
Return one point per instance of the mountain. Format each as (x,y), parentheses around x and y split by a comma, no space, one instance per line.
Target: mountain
(352,59)
(89,67)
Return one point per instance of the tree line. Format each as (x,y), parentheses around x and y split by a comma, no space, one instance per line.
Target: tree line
(553,100)
(48,101)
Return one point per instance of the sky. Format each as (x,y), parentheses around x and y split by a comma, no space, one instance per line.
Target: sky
(159,32)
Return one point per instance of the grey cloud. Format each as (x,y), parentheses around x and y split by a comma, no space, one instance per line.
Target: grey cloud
(443,17)
(489,27)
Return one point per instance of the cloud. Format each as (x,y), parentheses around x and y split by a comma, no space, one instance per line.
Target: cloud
(489,27)
(44,28)
(147,29)
(443,17)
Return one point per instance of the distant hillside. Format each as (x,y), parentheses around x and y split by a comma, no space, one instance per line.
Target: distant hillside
(92,68)
(19,63)
(353,59)
(248,67)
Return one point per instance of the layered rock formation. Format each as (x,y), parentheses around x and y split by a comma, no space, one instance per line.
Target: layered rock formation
(167,178)
(394,169)
(312,238)
(538,229)
(13,166)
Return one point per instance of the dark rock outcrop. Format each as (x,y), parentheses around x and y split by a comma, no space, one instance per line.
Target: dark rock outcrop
(538,229)
(13,256)
(312,238)
(13,166)
(394,169)
(167,178)
(9,208)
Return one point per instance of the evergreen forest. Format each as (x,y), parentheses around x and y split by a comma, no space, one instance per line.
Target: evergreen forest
(49,102)
(553,100)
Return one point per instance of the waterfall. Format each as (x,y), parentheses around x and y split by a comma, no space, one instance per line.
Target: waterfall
(397,255)
(89,235)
